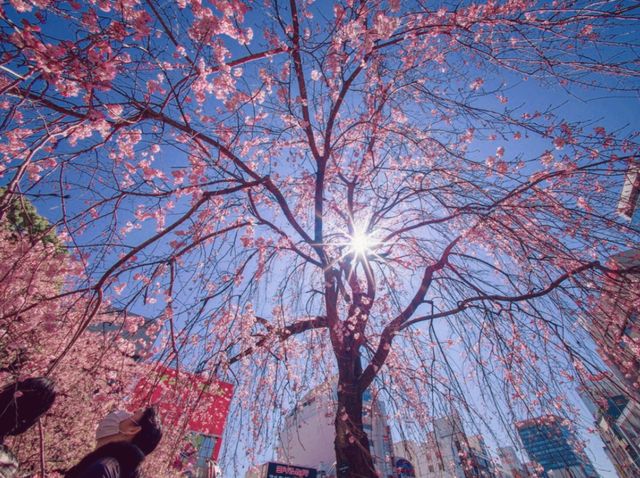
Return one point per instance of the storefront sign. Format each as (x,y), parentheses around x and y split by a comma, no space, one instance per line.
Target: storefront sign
(279,470)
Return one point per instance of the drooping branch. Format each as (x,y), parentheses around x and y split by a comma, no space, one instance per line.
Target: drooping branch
(163,118)
(279,231)
(98,287)
(281,334)
(390,330)
(534,294)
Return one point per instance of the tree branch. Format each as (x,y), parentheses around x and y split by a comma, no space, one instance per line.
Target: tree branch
(282,334)
(389,332)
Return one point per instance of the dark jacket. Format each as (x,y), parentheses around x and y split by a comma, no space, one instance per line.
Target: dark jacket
(113,460)
(8,463)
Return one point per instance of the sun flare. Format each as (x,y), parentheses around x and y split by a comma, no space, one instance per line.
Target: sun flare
(361,243)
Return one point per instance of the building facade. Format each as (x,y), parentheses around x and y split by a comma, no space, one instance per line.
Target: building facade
(192,402)
(480,459)
(614,401)
(550,443)
(306,437)
(615,325)
(617,418)
(447,452)
(615,322)
(629,204)
(425,459)
(511,463)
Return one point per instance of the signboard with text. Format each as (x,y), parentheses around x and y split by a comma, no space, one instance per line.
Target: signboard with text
(279,470)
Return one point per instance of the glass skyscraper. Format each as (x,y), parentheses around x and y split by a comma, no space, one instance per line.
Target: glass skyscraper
(550,443)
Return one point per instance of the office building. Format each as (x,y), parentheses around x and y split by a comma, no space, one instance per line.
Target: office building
(511,464)
(549,442)
(447,452)
(306,438)
(615,322)
(480,459)
(614,401)
(617,419)
(629,204)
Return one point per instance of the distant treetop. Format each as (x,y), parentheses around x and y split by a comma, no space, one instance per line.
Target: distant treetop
(23,220)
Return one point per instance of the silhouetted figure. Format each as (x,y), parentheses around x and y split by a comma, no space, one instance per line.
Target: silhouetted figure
(123,441)
(21,404)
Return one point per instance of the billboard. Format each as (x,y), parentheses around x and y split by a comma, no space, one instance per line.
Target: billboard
(187,400)
(279,470)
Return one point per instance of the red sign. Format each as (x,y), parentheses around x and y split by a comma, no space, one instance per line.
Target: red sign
(189,400)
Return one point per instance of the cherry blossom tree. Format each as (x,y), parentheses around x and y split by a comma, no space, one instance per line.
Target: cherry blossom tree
(86,387)
(34,265)
(97,377)
(300,190)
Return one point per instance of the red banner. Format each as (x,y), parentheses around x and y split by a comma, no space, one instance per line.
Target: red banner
(186,398)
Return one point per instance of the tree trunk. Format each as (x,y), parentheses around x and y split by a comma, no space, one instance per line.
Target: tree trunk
(353,455)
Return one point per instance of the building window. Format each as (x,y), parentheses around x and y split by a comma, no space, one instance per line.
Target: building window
(205,452)
(631,324)
(616,405)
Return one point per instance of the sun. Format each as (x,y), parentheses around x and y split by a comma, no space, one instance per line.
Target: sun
(361,243)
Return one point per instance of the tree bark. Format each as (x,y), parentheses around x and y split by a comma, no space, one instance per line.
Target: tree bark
(353,454)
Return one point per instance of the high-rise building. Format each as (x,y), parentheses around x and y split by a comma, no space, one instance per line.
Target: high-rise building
(306,438)
(450,440)
(550,443)
(480,459)
(615,322)
(511,463)
(447,452)
(617,418)
(614,401)
(615,325)
(629,204)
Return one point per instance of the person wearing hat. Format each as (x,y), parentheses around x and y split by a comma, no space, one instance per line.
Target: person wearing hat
(123,440)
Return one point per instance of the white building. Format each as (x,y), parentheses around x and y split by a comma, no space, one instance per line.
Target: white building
(446,453)
(629,205)
(450,440)
(426,458)
(511,463)
(481,463)
(307,436)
